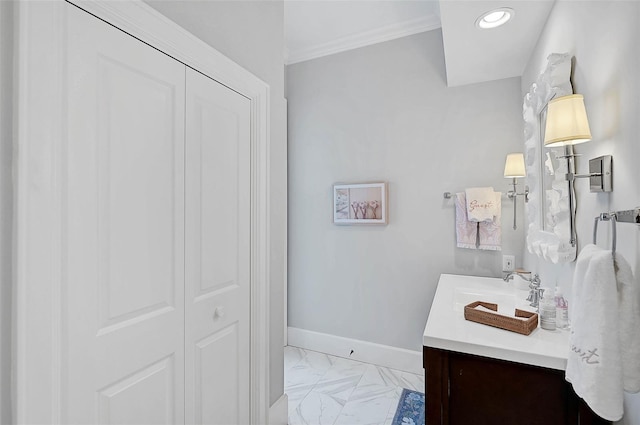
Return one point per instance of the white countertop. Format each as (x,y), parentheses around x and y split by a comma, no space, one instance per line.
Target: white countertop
(447,328)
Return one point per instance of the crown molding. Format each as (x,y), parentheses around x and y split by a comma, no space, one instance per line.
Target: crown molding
(365,38)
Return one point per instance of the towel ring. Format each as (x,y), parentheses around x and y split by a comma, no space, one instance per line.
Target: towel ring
(606,217)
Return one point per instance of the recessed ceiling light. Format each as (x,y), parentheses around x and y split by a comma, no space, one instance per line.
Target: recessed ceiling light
(494,18)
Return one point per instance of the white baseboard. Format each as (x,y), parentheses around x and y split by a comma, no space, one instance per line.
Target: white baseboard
(368,352)
(279,411)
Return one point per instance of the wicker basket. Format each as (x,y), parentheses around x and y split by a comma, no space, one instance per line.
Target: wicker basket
(512,324)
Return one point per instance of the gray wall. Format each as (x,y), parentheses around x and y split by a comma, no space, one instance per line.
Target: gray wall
(603,37)
(251,33)
(383,112)
(6,205)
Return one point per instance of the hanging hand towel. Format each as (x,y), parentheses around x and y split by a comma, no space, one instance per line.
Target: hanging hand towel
(481,204)
(490,232)
(629,328)
(466,231)
(598,357)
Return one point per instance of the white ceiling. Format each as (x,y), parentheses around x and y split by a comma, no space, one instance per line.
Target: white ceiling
(315,28)
(474,55)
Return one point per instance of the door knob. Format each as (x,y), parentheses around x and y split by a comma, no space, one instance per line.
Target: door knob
(218,313)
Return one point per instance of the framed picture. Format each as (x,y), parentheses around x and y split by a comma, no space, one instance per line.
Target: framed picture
(364,203)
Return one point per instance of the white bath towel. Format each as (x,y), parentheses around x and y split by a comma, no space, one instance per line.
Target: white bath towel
(603,352)
(629,325)
(483,235)
(466,231)
(481,204)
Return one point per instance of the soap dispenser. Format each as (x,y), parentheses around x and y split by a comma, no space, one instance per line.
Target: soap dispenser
(562,310)
(547,310)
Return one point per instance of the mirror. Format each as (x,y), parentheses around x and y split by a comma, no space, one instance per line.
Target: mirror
(548,212)
(553,167)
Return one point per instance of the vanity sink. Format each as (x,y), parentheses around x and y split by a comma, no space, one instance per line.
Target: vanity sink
(519,282)
(506,302)
(508,296)
(447,328)
(477,371)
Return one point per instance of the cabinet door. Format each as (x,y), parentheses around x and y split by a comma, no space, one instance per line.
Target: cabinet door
(123,342)
(488,391)
(217,292)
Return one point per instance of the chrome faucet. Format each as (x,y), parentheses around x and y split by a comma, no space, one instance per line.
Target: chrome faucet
(518,272)
(508,276)
(535,293)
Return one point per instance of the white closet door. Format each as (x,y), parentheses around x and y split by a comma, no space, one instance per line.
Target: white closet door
(123,347)
(217,292)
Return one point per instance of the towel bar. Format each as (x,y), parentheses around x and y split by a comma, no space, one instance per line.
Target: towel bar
(606,217)
(625,216)
(449,195)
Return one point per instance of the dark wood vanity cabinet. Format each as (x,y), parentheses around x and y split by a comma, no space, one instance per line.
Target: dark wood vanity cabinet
(463,389)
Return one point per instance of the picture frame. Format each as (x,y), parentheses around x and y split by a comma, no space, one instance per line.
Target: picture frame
(361,203)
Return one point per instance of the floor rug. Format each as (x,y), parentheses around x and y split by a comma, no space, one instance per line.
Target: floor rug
(410,409)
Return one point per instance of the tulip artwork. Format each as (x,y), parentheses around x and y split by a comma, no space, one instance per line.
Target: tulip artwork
(364,203)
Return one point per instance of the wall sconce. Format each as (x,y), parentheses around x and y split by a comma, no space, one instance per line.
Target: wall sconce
(514,169)
(567,125)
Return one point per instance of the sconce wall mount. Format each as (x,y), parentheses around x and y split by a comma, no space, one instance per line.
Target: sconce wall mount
(600,171)
(601,174)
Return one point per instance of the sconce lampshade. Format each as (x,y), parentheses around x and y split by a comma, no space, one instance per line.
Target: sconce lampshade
(514,166)
(567,122)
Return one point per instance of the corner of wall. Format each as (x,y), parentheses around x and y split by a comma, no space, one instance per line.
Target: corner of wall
(279,411)
(6,205)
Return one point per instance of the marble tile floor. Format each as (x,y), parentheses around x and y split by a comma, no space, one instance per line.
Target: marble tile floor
(326,390)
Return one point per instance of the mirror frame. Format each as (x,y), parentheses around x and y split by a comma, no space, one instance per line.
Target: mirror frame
(553,243)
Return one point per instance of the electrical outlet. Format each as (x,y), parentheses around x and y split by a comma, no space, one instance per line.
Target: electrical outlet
(508,263)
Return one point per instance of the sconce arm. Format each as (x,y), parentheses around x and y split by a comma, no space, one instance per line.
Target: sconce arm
(600,173)
(571,176)
(512,194)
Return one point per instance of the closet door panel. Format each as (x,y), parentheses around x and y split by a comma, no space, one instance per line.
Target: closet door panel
(124,323)
(136,222)
(217,292)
